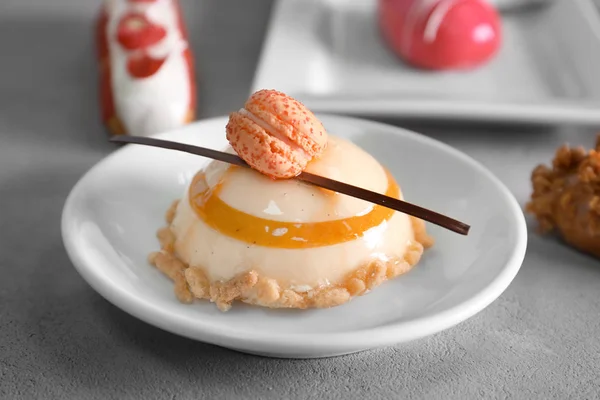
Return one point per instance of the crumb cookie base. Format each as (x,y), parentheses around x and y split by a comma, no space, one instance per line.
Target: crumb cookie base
(249,287)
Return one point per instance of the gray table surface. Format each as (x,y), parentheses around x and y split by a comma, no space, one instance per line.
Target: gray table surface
(59,339)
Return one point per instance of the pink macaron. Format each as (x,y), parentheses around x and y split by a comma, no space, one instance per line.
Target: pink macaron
(276,134)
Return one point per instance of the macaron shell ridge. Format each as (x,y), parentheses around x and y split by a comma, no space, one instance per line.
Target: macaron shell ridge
(289,118)
(263,152)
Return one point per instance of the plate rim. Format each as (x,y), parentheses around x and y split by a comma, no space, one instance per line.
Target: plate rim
(313,343)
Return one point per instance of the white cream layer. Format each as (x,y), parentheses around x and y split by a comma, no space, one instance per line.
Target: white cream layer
(223,257)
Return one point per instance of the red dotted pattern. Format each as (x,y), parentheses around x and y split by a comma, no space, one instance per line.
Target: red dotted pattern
(290,118)
(270,155)
(261,151)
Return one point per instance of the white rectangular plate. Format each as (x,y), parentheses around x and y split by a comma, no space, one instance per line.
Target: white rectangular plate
(329,55)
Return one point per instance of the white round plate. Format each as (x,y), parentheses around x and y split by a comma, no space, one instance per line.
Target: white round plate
(111,216)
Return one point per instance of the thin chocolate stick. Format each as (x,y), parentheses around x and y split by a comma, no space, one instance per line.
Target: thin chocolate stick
(336,186)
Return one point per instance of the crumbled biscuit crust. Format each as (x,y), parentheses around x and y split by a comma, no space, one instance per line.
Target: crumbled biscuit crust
(249,287)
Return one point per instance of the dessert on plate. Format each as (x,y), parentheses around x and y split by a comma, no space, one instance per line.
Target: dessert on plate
(261,237)
(566,197)
(441,34)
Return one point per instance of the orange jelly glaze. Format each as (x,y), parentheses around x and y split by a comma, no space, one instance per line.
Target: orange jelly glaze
(259,231)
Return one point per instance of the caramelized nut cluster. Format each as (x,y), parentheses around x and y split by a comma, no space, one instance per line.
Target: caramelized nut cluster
(566,197)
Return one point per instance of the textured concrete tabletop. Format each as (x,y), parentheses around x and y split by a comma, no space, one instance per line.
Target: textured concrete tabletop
(61,340)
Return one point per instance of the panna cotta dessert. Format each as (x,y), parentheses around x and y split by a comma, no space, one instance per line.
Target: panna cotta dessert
(261,237)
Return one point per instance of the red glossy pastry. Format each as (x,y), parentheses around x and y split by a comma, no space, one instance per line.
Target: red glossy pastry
(276,134)
(441,34)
